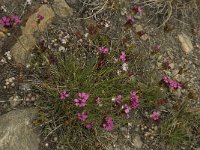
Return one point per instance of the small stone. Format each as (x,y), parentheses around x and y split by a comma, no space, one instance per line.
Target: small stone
(27,99)
(32,98)
(10,80)
(137,142)
(14,101)
(55,138)
(2,35)
(139,17)
(144,37)
(12,84)
(61,49)
(186,43)
(152,137)
(138,28)
(25,87)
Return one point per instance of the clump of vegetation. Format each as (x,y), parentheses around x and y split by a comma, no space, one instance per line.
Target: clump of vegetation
(165,10)
(89,95)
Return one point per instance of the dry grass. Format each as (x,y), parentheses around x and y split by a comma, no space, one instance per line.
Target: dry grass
(166,10)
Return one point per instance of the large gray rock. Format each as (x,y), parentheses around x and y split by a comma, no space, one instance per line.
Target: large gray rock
(16,131)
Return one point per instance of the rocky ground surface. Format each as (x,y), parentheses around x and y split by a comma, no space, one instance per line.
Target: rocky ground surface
(173,50)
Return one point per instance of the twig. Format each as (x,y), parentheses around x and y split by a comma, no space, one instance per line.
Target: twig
(99,11)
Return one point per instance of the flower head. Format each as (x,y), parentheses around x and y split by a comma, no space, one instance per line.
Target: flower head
(134,100)
(117,100)
(9,21)
(138,9)
(98,101)
(40,17)
(130,20)
(173,84)
(155,115)
(108,124)
(126,109)
(83,95)
(82,99)
(15,19)
(103,50)
(5,21)
(88,126)
(123,57)
(63,94)
(82,116)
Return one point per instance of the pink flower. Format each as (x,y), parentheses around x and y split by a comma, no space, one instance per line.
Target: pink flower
(130,20)
(123,57)
(118,99)
(108,124)
(5,21)
(103,50)
(155,115)
(98,101)
(134,100)
(15,19)
(138,9)
(80,102)
(82,116)
(82,99)
(83,95)
(173,84)
(126,109)
(88,126)
(40,17)
(9,21)
(63,95)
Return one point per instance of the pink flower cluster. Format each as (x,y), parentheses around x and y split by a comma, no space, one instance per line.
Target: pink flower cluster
(103,50)
(108,124)
(9,21)
(118,99)
(82,99)
(134,100)
(40,17)
(82,116)
(138,9)
(126,109)
(155,116)
(63,94)
(123,56)
(173,84)
(130,20)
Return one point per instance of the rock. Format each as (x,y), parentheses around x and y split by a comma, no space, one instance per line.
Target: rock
(186,43)
(137,142)
(14,100)
(138,28)
(20,51)
(16,131)
(32,25)
(144,37)
(62,9)
(2,35)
